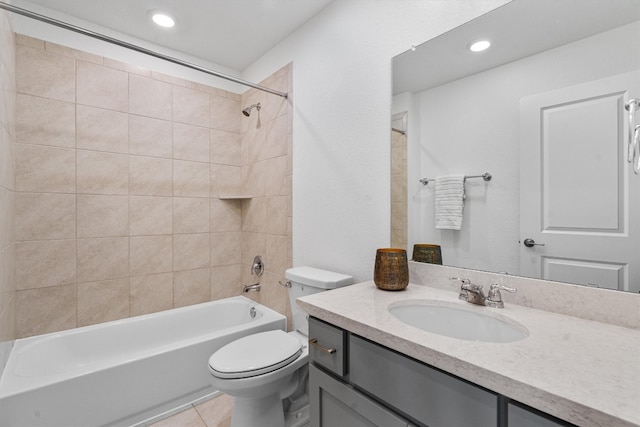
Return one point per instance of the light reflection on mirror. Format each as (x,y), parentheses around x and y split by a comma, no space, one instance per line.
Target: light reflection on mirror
(463,117)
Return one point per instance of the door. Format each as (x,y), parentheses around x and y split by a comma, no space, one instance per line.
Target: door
(578,195)
(336,404)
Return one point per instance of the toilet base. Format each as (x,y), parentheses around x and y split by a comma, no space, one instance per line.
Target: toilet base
(299,418)
(267,412)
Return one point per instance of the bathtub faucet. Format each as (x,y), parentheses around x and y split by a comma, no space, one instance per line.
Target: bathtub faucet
(251,288)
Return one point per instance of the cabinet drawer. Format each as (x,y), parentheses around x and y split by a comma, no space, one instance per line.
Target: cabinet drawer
(328,346)
(335,404)
(519,416)
(434,398)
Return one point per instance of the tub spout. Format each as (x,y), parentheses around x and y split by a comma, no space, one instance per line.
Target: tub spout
(251,288)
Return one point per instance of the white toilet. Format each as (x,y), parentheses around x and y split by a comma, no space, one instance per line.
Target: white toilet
(267,372)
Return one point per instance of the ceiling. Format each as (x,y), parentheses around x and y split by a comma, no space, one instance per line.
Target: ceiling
(516,30)
(231,33)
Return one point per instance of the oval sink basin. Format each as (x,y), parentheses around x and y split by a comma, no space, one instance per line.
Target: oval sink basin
(456,322)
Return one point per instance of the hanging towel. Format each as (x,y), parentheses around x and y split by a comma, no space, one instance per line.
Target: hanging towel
(449,202)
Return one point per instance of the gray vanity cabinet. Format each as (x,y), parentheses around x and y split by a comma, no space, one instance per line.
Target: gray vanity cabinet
(354,382)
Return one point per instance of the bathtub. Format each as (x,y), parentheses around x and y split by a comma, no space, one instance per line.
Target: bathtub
(123,372)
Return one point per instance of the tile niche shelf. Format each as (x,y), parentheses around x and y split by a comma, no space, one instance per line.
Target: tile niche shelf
(235,197)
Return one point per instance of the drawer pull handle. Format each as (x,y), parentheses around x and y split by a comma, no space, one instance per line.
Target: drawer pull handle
(314,342)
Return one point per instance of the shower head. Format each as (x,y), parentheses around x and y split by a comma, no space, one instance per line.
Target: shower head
(247,111)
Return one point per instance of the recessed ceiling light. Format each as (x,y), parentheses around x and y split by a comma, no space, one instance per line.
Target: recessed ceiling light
(479,46)
(162,19)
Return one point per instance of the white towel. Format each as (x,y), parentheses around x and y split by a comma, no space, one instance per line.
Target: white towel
(449,202)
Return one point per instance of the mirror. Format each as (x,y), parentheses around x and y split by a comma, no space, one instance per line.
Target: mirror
(463,116)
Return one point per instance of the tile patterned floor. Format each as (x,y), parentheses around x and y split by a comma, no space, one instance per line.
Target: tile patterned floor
(215,412)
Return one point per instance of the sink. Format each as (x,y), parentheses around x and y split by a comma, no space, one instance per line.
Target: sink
(455,321)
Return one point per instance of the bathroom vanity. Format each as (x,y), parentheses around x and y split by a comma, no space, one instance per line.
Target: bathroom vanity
(356,382)
(368,368)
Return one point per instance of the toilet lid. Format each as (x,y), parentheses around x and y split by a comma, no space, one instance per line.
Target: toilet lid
(255,355)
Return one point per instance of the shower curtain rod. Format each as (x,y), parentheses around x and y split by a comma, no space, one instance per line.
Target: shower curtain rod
(139,49)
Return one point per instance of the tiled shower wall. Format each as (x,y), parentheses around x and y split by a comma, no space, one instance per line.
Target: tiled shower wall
(119,177)
(7,187)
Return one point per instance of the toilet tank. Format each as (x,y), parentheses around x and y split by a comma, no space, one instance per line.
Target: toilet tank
(307,281)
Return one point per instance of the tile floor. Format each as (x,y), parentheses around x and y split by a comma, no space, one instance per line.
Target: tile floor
(215,412)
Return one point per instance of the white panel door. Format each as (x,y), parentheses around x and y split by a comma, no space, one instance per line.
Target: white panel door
(578,195)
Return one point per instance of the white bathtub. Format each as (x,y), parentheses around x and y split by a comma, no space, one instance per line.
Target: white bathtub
(122,372)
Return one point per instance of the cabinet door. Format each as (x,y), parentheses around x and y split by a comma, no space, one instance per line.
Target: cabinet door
(432,397)
(336,404)
(522,417)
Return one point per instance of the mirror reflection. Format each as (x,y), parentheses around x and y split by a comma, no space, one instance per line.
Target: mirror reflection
(543,111)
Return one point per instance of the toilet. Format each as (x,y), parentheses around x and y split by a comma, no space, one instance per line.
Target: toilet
(267,372)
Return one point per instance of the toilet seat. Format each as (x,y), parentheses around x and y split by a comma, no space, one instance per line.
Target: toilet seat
(255,355)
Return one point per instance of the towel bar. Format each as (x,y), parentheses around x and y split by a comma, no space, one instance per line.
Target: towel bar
(486,176)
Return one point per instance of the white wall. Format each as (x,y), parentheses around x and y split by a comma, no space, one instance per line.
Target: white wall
(342,114)
(482,135)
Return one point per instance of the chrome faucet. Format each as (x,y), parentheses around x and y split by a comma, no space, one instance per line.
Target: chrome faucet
(474,294)
(251,288)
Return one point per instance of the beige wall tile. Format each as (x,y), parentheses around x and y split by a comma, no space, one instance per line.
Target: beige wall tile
(225,281)
(148,97)
(225,114)
(254,215)
(7,217)
(275,221)
(227,180)
(190,215)
(45,263)
(225,147)
(72,53)
(7,160)
(102,173)
(226,215)
(103,216)
(252,181)
(101,86)
(190,179)
(150,176)
(190,142)
(45,121)
(123,66)
(39,311)
(191,287)
(225,248)
(276,182)
(102,258)
(150,215)
(103,301)
(151,254)
(44,74)
(45,216)
(150,137)
(276,253)
(102,130)
(45,169)
(150,294)
(276,138)
(190,251)
(190,106)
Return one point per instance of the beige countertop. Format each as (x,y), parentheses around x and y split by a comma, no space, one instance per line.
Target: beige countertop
(582,371)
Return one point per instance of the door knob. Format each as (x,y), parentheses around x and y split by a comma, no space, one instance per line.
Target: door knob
(531,243)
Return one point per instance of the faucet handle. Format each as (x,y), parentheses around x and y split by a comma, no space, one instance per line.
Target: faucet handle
(460,279)
(494,299)
(496,287)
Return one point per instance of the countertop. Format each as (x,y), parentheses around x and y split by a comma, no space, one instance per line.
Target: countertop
(581,371)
